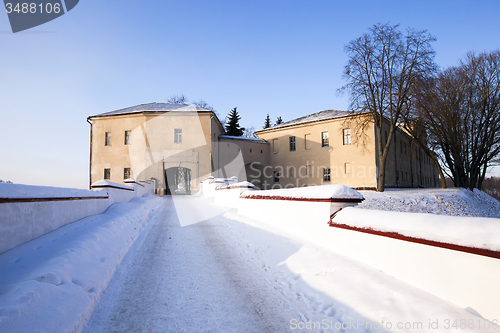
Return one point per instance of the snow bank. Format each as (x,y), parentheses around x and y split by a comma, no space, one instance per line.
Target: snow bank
(338,289)
(453,202)
(107,183)
(20,191)
(240,185)
(475,232)
(229,195)
(50,284)
(310,192)
(466,279)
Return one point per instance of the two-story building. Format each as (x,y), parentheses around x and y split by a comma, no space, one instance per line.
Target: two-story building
(179,145)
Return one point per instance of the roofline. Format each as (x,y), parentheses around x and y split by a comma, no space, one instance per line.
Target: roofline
(271,129)
(242,138)
(150,112)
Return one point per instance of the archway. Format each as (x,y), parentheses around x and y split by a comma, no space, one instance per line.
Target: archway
(178,181)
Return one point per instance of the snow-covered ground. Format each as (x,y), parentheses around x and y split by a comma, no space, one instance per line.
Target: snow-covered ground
(50,284)
(452,201)
(228,273)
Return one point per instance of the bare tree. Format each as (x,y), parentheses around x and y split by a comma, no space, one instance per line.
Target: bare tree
(178,99)
(461,112)
(249,132)
(202,104)
(381,72)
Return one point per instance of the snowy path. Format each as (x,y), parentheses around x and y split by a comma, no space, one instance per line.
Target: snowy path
(187,279)
(231,273)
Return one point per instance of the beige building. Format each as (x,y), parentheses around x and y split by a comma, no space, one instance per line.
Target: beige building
(323,148)
(172,143)
(179,145)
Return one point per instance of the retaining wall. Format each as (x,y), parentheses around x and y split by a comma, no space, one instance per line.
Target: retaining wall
(28,212)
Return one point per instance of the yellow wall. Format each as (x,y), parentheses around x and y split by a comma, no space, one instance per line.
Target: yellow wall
(351,165)
(354,165)
(152,147)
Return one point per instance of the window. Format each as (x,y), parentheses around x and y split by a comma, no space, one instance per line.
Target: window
(126,173)
(347,136)
(107,174)
(401,146)
(292,143)
(275,146)
(178,135)
(306,137)
(127,137)
(324,139)
(250,150)
(326,174)
(276,176)
(107,140)
(386,137)
(347,168)
(261,151)
(404,144)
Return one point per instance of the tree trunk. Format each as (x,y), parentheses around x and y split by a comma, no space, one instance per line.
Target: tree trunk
(442,180)
(382,158)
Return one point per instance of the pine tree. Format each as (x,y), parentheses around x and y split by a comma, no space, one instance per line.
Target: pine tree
(233,127)
(267,124)
(279,121)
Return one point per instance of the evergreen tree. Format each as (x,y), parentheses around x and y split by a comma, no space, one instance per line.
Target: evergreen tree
(279,121)
(233,127)
(267,124)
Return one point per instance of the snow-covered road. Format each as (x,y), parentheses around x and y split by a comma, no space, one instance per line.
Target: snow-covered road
(184,264)
(188,279)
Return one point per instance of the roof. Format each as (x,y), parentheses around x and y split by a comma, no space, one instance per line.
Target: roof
(243,138)
(318,116)
(153,107)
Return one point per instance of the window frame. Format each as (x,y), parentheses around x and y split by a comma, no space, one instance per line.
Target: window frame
(305,141)
(325,139)
(107,173)
(177,135)
(293,146)
(107,139)
(327,174)
(276,175)
(127,137)
(346,134)
(125,176)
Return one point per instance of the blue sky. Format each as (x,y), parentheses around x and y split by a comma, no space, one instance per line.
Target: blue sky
(284,58)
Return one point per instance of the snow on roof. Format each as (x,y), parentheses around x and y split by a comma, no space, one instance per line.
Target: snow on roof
(311,192)
(318,116)
(153,107)
(20,191)
(244,138)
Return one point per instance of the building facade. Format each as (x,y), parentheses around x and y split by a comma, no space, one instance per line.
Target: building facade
(329,147)
(172,143)
(179,145)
